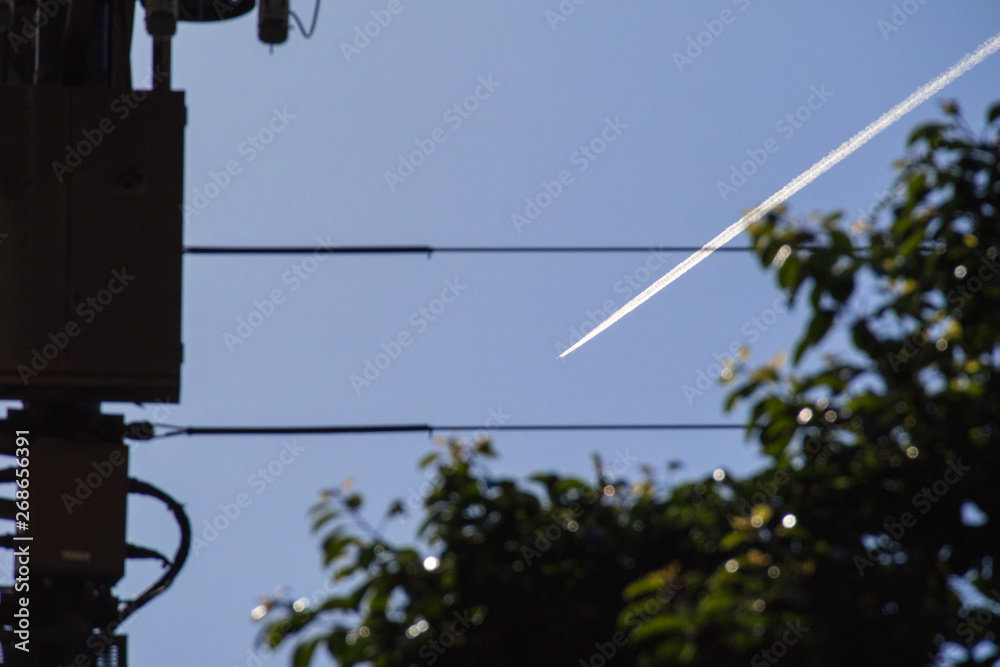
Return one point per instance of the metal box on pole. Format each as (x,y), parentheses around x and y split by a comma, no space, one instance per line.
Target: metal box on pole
(90,202)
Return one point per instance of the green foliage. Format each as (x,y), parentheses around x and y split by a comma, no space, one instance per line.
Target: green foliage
(853,546)
(903,428)
(514,559)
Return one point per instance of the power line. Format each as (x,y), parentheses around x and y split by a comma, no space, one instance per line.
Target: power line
(413,428)
(429,250)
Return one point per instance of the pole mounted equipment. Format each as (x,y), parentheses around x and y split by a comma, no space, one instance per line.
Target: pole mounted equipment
(6,14)
(272,25)
(161,17)
(91,188)
(91,192)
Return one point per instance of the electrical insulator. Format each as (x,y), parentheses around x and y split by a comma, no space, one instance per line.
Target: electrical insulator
(161,17)
(272,27)
(6,14)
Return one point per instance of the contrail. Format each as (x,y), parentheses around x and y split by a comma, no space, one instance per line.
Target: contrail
(922,94)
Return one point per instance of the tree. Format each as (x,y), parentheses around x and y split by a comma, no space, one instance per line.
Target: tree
(866,538)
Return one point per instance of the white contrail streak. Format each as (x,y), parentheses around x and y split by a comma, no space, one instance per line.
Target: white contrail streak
(921,95)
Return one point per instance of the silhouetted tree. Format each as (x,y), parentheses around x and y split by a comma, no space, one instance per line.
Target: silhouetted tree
(865,540)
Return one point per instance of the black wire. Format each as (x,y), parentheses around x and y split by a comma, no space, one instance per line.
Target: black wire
(133,551)
(428,428)
(140,487)
(312,27)
(429,250)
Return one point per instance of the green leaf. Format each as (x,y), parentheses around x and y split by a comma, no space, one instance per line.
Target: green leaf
(931,132)
(659,625)
(304,653)
(776,435)
(335,545)
(842,287)
(993,114)
(916,188)
(427,459)
(378,602)
(485,448)
(788,274)
(734,539)
(818,327)
(912,242)
(841,242)
(743,392)
(769,252)
(323,517)
(652,582)
(337,603)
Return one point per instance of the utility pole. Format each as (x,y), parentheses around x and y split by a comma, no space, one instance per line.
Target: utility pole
(91,188)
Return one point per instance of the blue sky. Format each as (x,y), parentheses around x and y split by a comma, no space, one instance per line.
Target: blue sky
(483,332)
